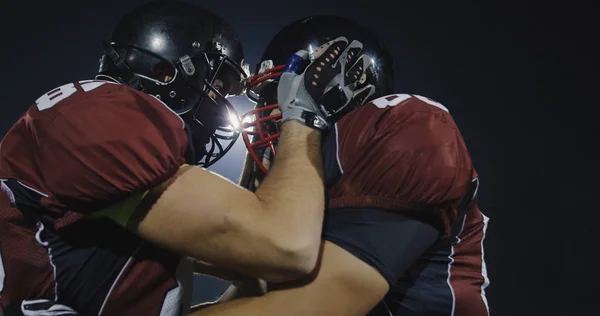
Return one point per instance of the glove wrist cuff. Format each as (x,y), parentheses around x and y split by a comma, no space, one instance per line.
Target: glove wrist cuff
(305,117)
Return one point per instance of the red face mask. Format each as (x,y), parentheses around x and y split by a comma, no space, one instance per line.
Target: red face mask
(260,128)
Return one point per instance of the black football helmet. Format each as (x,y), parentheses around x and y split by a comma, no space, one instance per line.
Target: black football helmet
(190,59)
(260,128)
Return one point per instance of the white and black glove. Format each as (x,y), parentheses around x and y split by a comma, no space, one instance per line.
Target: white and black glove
(317,89)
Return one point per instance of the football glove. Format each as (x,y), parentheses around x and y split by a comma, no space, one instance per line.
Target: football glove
(316,88)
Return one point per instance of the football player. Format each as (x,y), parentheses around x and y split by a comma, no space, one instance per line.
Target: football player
(403,234)
(101,197)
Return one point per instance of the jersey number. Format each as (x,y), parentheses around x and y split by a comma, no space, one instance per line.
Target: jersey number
(51,98)
(384,102)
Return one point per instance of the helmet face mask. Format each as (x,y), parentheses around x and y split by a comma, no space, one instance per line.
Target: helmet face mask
(188,58)
(260,126)
(309,33)
(212,120)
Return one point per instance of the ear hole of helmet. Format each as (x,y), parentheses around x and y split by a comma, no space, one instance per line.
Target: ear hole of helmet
(164,72)
(147,65)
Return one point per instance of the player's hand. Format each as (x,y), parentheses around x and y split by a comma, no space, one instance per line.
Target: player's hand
(315,89)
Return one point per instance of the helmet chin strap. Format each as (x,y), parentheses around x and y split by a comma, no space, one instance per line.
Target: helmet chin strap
(267,154)
(191,154)
(259,175)
(252,174)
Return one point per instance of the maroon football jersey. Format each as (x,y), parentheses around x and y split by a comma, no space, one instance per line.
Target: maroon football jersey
(81,149)
(404,153)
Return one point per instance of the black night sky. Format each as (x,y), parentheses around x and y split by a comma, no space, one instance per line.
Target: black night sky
(514,76)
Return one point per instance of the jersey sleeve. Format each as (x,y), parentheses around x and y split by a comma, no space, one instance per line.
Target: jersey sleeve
(104,152)
(390,243)
(407,158)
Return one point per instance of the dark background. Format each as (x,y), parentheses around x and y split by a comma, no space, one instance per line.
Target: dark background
(515,76)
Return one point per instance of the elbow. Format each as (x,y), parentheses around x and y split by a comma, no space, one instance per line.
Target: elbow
(297,260)
(301,262)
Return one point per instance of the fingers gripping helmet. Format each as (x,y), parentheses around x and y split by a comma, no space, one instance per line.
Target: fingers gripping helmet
(259,128)
(190,59)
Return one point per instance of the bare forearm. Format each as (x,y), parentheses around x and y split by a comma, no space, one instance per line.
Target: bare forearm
(272,234)
(249,306)
(293,191)
(276,233)
(230,294)
(270,304)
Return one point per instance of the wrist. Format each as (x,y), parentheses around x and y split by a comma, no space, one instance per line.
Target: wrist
(304,117)
(297,130)
(295,135)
